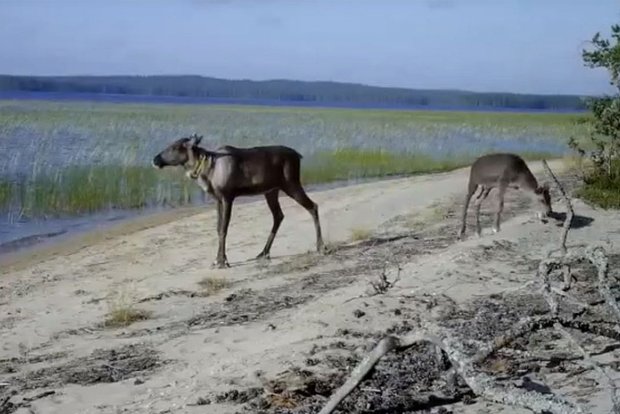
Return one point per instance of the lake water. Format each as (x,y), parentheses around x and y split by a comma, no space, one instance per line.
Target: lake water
(21,234)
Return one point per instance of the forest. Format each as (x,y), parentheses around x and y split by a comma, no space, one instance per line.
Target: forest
(346,94)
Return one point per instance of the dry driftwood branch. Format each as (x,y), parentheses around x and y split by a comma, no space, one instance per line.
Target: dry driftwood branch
(522,328)
(591,328)
(567,276)
(481,384)
(384,346)
(598,257)
(570,213)
(615,399)
(382,284)
(544,269)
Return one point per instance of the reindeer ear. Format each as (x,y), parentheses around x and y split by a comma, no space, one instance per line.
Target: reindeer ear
(194,140)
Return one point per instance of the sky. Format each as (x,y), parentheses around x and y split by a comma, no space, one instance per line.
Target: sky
(525,46)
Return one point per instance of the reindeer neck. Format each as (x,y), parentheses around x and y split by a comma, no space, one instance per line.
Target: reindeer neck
(201,164)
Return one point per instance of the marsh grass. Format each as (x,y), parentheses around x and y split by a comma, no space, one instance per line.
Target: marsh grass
(122,311)
(349,163)
(360,233)
(71,158)
(212,285)
(80,190)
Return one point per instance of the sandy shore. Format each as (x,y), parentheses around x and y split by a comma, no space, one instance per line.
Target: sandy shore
(210,331)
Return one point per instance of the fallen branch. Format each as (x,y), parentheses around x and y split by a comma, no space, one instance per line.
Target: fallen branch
(382,284)
(597,256)
(591,328)
(481,384)
(544,269)
(384,346)
(615,399)
(522,328)
(570,213)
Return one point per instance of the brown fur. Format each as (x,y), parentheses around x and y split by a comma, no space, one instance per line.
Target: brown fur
(501,171)
(231,172)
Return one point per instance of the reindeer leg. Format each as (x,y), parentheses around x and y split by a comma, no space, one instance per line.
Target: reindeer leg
(484,193)
(470,192)
(500,204)
(278,216)
(226,209)
(297,193)
(219,216)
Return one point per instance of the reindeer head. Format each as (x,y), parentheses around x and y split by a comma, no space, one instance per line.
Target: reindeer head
(544,198)
(181,152)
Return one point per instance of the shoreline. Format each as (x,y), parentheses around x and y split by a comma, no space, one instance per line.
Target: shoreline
(70,242)
(66,244)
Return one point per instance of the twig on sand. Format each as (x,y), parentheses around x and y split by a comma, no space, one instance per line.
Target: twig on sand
(596,255)
(382,284)
(615,398)
(569,207)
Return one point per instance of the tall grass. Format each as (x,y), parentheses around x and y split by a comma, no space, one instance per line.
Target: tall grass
(66,158)
(602,189)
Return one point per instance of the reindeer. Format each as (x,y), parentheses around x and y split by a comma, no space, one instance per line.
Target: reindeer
(230,172)
(502,171)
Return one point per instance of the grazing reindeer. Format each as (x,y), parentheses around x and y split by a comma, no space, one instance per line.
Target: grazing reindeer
(502,171)
(230,172)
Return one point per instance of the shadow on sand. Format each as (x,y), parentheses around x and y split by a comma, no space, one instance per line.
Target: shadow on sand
(578,221)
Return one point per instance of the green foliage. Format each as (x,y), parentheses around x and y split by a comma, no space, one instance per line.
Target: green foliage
(602,183)
(606,54)
(603,188)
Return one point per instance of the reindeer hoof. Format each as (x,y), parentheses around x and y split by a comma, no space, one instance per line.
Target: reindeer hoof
(220,264)
(495,230)
(263,256)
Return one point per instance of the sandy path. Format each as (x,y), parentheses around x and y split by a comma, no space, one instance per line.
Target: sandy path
(56,304)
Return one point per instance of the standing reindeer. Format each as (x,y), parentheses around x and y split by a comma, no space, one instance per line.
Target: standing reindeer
(502,171)
(229,172)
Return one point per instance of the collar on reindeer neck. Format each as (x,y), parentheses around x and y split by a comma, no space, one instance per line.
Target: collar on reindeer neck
(199,167)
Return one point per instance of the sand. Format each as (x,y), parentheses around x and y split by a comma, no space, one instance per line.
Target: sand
(210,330)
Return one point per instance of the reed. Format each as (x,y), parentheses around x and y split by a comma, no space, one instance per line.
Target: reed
(69,158)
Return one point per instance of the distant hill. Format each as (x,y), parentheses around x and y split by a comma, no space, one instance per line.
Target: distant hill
(286,91)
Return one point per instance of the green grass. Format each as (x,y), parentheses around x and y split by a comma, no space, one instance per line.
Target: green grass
(347,164)
(67,158)
(602,190)
(80,190)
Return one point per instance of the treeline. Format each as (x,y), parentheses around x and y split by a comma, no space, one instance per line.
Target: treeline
(284,90)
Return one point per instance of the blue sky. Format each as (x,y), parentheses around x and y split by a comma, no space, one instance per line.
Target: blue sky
(531,46)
